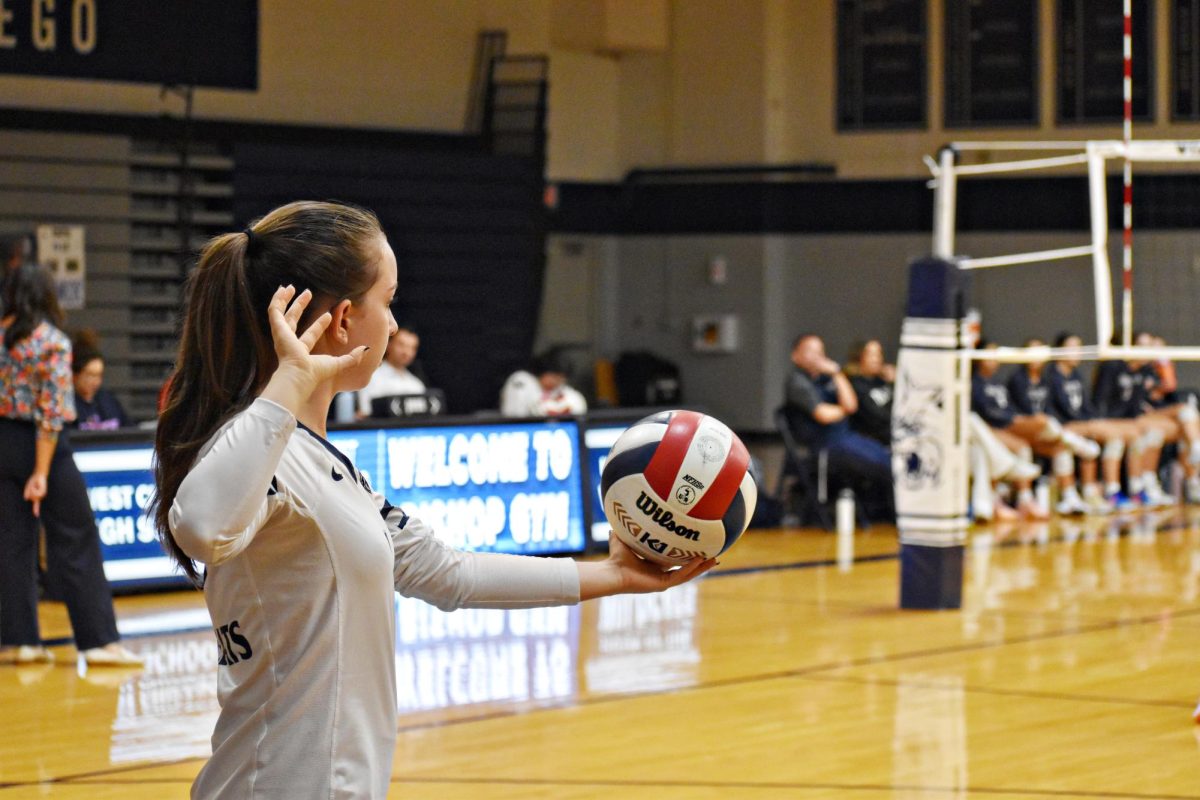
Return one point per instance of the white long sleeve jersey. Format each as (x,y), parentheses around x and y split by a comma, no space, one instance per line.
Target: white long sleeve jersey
(302,559)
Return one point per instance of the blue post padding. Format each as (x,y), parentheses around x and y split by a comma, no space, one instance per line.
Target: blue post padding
(931,577)
(937,288)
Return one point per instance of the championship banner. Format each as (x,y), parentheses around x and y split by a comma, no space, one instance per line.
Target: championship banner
(191,42)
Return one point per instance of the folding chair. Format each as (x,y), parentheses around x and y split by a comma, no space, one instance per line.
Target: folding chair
(809,469)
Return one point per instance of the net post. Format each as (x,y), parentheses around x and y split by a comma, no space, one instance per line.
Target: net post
(1102,277)
(929,436)
(944,200)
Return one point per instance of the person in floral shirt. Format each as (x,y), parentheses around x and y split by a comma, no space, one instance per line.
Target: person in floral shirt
(39,482)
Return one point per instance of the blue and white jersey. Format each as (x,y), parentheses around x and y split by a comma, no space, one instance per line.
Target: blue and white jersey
(302,560)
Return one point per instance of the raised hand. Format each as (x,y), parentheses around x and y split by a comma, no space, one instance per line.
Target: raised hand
(300,371)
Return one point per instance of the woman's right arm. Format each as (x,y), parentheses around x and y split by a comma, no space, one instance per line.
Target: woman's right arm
(222,502)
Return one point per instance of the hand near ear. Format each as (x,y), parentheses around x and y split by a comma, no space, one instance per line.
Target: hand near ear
(300,371)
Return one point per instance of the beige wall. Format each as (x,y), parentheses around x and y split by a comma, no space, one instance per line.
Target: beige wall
(371,63)
(736,81)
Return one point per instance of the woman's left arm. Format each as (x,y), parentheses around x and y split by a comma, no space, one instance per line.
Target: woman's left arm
(427,568)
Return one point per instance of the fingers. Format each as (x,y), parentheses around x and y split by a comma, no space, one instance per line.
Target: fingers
(353,358)
(279,301)
(692,569)
(313,334)
(296,309)
(277,307)
(37,508)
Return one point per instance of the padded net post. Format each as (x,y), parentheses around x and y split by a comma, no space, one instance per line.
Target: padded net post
(929,444)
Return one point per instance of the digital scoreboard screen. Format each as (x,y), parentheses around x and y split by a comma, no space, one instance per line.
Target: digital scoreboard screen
(506,487)
(598,439)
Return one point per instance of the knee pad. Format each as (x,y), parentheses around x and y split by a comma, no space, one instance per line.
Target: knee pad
(1137,446)
(1025,453)
(1064,463)
(1188,413)
(1152,438)
(1084,448)
(1113,449)
(1052,432)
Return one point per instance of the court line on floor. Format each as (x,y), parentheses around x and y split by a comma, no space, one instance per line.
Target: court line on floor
(776,785)
(792,673)
(680,784)
(741,680)
(1174,524)
(975,689)
(811,671)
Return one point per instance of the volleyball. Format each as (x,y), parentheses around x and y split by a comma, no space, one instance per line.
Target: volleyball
(677,485)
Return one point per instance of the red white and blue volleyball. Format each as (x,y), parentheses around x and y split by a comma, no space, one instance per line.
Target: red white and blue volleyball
(677,485)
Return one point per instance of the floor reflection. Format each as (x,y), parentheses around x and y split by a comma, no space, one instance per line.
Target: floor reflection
(167,710)
(929,739)
(644,642)
(478,656)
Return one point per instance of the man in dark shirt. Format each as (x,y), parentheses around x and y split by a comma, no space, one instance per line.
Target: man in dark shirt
(819,402)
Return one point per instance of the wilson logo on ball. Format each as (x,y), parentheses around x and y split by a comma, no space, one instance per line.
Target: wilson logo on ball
(664,518)
(684,475)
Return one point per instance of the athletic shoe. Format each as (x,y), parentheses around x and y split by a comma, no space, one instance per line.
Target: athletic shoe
(32,654)
(1154,498)
(1097,506)
(1071,504)
(1003,512)
(1192,490)
(111,655)
(1032,510)
(1121,502)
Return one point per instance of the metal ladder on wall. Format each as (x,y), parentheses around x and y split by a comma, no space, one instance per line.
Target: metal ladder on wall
(508,98)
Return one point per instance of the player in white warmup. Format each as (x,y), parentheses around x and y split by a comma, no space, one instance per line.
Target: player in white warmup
(301,556)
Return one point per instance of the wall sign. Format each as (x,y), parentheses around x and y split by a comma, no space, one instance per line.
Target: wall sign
(199,42)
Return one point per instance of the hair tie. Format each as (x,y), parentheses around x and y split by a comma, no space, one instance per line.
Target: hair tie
(252,241)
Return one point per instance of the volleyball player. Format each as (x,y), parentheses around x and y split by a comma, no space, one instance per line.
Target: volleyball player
(990,398)
(1121,392)
(301,556)
(1164,401)
(1030,388)
(1071,405)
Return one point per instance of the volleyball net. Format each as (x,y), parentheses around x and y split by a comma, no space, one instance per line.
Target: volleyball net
(1114,311)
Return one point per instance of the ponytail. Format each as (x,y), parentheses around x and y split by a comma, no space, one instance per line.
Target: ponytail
(226,352)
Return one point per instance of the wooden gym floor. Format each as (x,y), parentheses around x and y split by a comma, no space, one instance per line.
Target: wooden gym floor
(1070,672)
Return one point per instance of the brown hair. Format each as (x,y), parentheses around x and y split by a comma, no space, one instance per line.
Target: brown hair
(85,348)
(226,352)
(30,297)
